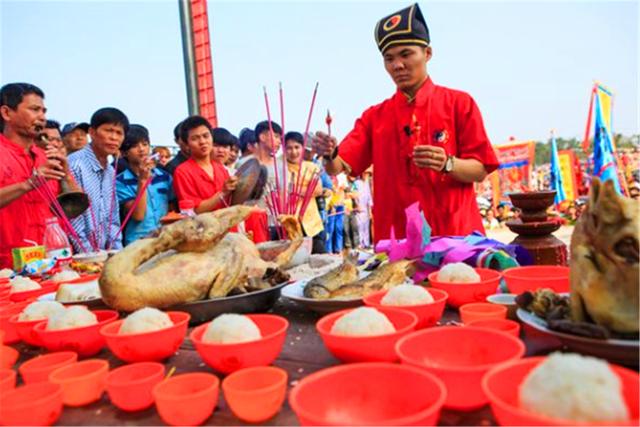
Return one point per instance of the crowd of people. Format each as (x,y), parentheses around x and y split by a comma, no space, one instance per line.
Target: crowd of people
(128,181)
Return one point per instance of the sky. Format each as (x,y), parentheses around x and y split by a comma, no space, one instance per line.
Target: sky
(530,66)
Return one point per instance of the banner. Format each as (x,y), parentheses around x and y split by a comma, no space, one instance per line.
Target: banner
(514,173)
(556,175)
(567,159)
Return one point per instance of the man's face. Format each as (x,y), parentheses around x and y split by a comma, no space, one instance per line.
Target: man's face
(107,139)
(200,142)
(76,140)
(269,143)
(53,138)
(407,65)
(294,150)
(29,117)
(220,153)
(138,153)
(233,155)
(184,147)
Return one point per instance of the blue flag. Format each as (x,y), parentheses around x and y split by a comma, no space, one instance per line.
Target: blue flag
(556,175)
(604,161)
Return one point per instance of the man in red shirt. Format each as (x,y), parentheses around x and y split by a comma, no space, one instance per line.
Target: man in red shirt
(427,143)
(23,210)
(204,181)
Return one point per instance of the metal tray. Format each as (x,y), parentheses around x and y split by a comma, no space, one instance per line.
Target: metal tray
(252,302)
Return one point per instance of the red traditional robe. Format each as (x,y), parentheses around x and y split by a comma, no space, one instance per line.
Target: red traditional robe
(384,136)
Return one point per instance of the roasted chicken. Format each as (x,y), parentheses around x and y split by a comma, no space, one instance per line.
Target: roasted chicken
(604,261)
(189,260)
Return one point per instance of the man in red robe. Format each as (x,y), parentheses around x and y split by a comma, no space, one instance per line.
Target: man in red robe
(427,143)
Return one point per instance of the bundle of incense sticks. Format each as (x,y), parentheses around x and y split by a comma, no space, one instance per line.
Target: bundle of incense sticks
(42,187)
(287,197)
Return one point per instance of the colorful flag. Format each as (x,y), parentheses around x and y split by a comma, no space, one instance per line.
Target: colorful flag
(604,160)
(556,175)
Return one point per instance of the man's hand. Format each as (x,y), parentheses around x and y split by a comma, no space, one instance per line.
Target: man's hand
(429,156)
(52,170)
(229,185)
(324,144)
(145,170)
(57,157)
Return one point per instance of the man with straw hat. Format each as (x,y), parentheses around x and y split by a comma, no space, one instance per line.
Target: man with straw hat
(427,143)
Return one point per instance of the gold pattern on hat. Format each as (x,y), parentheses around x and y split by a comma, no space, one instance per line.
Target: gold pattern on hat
(393,33)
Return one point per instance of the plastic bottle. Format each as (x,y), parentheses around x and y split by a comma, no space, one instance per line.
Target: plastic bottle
(187,208)
(56,243)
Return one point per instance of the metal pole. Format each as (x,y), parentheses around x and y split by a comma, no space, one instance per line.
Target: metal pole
(188,55)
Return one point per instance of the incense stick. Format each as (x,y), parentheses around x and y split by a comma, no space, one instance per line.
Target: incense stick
(273,153)
(304,140)
(284,150)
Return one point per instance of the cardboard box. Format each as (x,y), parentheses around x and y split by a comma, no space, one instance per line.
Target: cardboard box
(24,255)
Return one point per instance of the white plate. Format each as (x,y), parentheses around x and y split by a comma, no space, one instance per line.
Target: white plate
(624,352)
(295,292)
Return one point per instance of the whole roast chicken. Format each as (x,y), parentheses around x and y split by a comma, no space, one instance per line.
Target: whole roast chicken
(190,260)
(604,261)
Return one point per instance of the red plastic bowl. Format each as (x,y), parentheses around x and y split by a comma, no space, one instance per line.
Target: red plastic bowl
(82,382)
(368,394)
(504,325)
(255,394)
(8,356)
(85,340)
(25,331)
(46,287)
(463,293)
(530,278)
(428,314)
(460,356)
(501,384)
(147,346)
(11,334)
(7,380)
(371,348)
(228,358)
(38,369)
(31,405)
(129,387)
(187,399)
(481,310)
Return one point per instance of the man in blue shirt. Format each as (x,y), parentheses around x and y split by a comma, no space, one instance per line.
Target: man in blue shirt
(98,226)
(154,201)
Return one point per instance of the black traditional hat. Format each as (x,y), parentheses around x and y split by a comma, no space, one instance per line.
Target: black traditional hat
(405,27)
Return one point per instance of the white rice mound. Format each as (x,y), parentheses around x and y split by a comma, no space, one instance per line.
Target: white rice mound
(41,310)
(21,284)
(407,295)
(458,272)
(145,320)
(363,321)
(231,328)
(75,316)
(574,387)
(5,273)
(65,275)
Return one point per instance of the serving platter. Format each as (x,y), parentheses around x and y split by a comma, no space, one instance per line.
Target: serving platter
(622,352)
(295,292)
(252,302)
